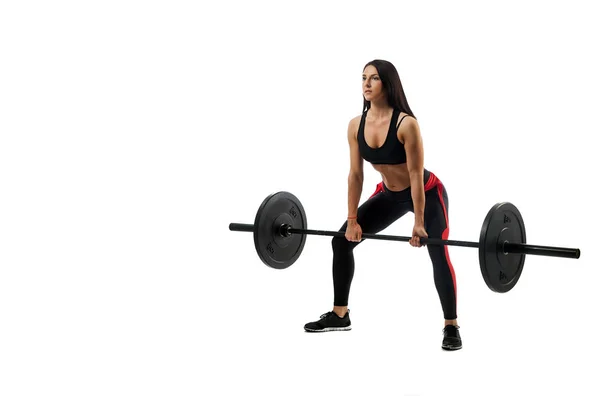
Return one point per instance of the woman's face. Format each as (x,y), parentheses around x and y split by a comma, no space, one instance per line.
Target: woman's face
(371,84)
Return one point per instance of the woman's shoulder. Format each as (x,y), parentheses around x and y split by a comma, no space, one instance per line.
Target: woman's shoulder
(354,124)
(406,119)
(355,121)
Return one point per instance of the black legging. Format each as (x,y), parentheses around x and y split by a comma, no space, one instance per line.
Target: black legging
(377,213)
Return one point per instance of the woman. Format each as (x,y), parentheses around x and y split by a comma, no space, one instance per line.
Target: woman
(387,135)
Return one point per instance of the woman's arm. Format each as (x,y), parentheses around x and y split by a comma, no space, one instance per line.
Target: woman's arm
(410,134)
(356,174)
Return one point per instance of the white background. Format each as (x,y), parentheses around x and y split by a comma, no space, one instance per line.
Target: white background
(133,133)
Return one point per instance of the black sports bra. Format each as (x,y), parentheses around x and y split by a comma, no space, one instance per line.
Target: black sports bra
(391,152)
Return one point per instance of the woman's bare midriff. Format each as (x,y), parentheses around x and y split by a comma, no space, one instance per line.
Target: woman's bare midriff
(395,177)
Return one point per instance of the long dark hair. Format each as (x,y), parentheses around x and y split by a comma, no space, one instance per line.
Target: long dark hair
(392,86)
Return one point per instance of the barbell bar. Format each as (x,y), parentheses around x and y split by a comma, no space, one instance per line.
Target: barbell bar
(280,229)
(518,248)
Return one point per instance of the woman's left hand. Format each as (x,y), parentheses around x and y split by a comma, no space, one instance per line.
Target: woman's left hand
(417,233)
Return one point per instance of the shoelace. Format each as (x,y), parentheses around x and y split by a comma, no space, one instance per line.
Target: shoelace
(456,326)
(329,313)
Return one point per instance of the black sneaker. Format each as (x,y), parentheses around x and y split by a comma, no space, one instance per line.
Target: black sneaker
(329,321)
(452,339)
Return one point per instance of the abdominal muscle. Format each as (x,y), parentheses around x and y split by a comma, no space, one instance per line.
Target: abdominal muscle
(395,177)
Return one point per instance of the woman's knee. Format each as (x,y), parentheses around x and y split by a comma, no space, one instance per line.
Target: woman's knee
(341,244)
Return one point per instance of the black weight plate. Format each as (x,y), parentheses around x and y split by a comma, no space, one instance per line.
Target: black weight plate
(501,271)
(275,250)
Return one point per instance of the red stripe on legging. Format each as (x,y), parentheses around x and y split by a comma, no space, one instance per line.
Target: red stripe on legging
(431,182)
(445,235)
(378,189)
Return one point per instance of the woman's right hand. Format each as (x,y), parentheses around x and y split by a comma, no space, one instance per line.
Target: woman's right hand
(353,231)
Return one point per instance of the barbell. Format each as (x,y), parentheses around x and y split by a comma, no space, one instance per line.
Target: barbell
(280,229)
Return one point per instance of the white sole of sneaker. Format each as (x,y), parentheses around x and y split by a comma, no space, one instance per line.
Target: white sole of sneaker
(448,348)
(345,328)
